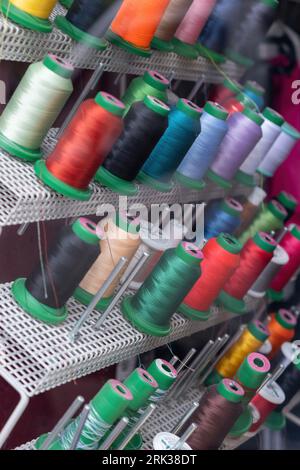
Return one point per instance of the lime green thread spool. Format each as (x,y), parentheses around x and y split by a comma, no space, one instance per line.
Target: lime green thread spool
(165,375)
(150,310)
(34,106)
(106,408)
(271,217)
(151,83)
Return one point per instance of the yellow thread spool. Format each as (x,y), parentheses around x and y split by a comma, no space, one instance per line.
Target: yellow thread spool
(32,14)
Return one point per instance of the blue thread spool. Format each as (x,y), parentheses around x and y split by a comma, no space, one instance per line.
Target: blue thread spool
(205,148)
(222,216)
(256,92)
(184,126)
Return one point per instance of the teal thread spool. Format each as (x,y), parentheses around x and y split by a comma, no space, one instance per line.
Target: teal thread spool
(151,83)
(34,106)
(106,408)
(150,310)
(183,128)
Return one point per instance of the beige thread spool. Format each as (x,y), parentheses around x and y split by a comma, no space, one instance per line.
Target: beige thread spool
(122,239)
(172,19)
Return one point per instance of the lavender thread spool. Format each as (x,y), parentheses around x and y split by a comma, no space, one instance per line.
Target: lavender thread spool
(243,135)
(195,164)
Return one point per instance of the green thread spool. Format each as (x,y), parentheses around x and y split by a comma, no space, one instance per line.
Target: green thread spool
(34,106)
(271,217)
(165,375)
(107,407)
(66,3)
(151,83)
(150,310)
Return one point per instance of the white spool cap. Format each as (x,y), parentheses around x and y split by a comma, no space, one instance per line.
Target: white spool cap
(167,441)
(257,196)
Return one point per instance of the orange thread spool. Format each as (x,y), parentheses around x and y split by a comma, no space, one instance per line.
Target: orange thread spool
(282,329)
(135,24)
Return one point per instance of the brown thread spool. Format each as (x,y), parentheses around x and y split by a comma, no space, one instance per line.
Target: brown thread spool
(122,239)
(250,209)
(172,18)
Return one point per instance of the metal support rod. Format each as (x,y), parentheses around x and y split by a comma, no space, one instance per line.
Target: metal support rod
(139,424)
(115,433)
(77,403)
(179,426)
(195,89)
(174,360)
(22,229)
(281,234)
(122,289)
(186,359)
(271,378)
(115,272)
(82,420)
(89,86)
(190,430)
(211,367)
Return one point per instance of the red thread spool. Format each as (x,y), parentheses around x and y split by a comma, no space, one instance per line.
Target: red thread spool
(282,328)
(291,243)
(237,104)
(264,403)
(221,259)
(84,145)
(255,256)
(227,90)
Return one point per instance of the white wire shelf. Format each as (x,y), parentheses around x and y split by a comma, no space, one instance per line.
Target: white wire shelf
(22,45)
(41,357)
(25,199)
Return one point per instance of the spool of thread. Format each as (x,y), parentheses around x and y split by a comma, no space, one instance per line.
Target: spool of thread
(84,145)
(151,83)
(45,292)
(165,375)
(288,201)
(228,89)
(255,256)
(282,328)
(167,441)
(288,354)
(249,342)
(291,244)
(264,403)
(250,208)
(150,310)
(183,128)
(244,132)
(256,92)
(222,216)
(144,126)
(87,21)
(202,153)
(253,29)
(66,3)
(191,26)
(271,129)
(121,239)
(219,408)
(279,151)
(135,24)
(263,282)
(34,106)
(106,408)
(30,14)
(237,104)
(270,218)
(221,259)
(169,23)
(290,384)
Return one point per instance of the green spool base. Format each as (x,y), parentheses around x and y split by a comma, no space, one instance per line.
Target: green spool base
(244,178)
(264,173)
(116,184)
(276,421)
(242,425)
(193,314)
(184,49)
(80,36)
(19,151)
(239,59)
(85,298)
(189,182)
(218,180)
(48,179)
(141,325)
(210,54)
(274,295)
(25,19)
(231,303)
(54,446)
(213,378)
(119,42)
(160,45)
(155,184)
(36,309)
(66,3)
(136,442)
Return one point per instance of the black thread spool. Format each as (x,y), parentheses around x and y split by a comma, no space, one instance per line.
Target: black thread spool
(45,292)
(290,383)
(144,125)
(88,20)
(252,31)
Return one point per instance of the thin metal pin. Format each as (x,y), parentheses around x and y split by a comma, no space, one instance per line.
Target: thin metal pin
(179,426)
(118,429)
(174,360)
(195,89)
(186,359)
(190,430)
(22,229)
(215,352)
(82,420)
(139,424)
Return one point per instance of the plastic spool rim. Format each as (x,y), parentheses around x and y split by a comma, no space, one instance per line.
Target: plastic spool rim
(25,19)
(19,151)
(116,184)
(123,44)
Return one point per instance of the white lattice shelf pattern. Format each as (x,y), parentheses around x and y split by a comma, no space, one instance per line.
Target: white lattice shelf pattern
(22,45)
(42,357)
